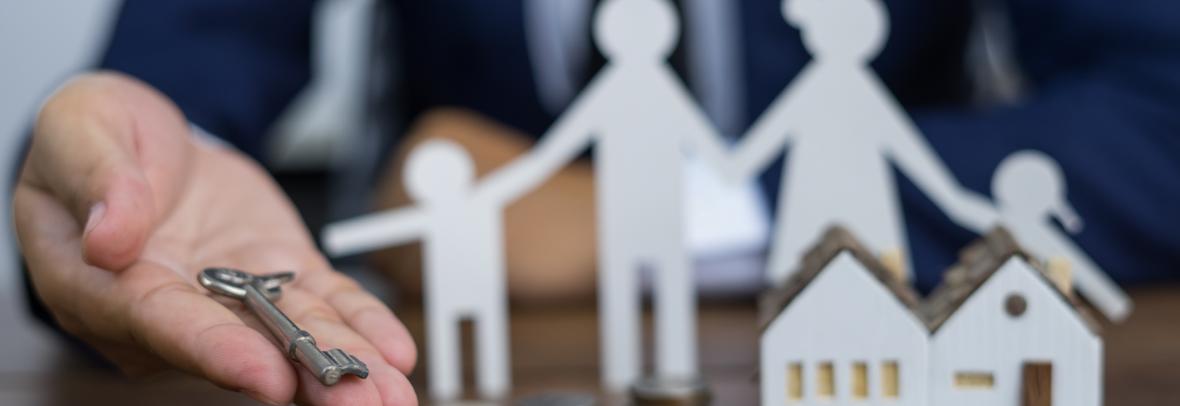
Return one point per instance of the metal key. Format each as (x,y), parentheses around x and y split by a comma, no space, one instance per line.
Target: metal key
(258,292)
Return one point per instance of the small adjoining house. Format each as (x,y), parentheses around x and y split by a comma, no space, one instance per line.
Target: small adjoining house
(1004,332)
(842,331)
(1001,330)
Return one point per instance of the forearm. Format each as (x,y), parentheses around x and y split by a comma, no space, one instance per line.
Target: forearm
(560,146)
(910,152)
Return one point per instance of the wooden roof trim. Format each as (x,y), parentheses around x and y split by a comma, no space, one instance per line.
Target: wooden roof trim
(835,240)
(977,263)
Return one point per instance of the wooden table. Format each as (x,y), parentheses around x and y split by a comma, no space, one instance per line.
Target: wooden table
(556,349)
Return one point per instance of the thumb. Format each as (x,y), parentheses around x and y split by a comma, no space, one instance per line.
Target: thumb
(119,214)
(114,152)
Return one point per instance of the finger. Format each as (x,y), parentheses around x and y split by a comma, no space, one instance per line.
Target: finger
(195,333)
(367,315)
(371,324)
(359,309)
(392,384)
(319,319)
(114,152)
(73,291)
(392,387)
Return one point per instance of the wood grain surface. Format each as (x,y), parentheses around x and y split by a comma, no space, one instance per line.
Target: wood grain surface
(555,350)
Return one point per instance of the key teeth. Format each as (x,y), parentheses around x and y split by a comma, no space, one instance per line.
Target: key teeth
(347,364)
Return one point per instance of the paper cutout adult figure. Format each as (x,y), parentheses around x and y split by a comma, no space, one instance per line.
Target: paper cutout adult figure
(1030,190)
(461,227)
(641,119)
(843,128)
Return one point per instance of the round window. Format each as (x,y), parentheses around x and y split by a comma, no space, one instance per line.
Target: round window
(1015,305)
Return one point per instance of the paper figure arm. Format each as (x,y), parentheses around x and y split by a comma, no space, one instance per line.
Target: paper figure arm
(1110,123)
(771,134)
(700,134)
(1092,282)
(907,148)
(571,134)
(374,231)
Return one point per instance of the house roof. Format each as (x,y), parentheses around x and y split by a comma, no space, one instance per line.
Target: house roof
(835,240)
(977,263)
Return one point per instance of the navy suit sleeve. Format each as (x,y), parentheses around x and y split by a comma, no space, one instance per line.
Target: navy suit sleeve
(232,66)
(1103,88)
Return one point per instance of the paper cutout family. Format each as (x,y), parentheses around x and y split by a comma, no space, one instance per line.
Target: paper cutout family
(838,125)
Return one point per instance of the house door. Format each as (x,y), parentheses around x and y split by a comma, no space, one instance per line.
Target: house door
(1037,384)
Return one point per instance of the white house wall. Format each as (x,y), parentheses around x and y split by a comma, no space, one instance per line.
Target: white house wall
(845,316)
(981,337)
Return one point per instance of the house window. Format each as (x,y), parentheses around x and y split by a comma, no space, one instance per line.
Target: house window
(1015,305)
(860,380)
(795,381)
(890,380)
(973,380)
(826,380)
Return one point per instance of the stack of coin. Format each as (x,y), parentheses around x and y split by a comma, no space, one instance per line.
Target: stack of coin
(670,392)
(558,399)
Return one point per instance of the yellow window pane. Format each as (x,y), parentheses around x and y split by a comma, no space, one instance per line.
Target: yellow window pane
(860,380)
(795,381)
(825,381)
(890,380)
(974,380)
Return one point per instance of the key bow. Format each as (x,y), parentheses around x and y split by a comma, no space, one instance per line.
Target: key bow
(231,282)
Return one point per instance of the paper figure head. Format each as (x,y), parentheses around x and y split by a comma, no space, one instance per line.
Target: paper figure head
(438,170)
(636,29)
(1032,182)
(844,30)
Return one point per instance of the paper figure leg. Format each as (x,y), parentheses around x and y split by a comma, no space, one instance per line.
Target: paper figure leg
(491,326)
(618,313)
(675,298)
(443,345)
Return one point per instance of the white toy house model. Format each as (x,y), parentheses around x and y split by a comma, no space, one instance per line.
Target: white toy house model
(999,331)
(1006,334)
(846,333)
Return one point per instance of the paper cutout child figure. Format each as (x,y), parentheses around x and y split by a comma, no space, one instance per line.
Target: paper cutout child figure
(641,119)
(1029,190)
(843,128)
(461,227)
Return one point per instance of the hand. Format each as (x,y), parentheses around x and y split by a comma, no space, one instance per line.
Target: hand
(118,208)
(974,212)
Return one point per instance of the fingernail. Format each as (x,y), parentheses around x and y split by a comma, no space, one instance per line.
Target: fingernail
(96,213)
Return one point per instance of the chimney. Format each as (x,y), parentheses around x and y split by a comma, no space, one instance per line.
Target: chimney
(892,261)
(1059,272)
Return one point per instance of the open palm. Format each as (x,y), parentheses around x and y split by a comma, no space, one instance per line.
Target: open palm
(118,209)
